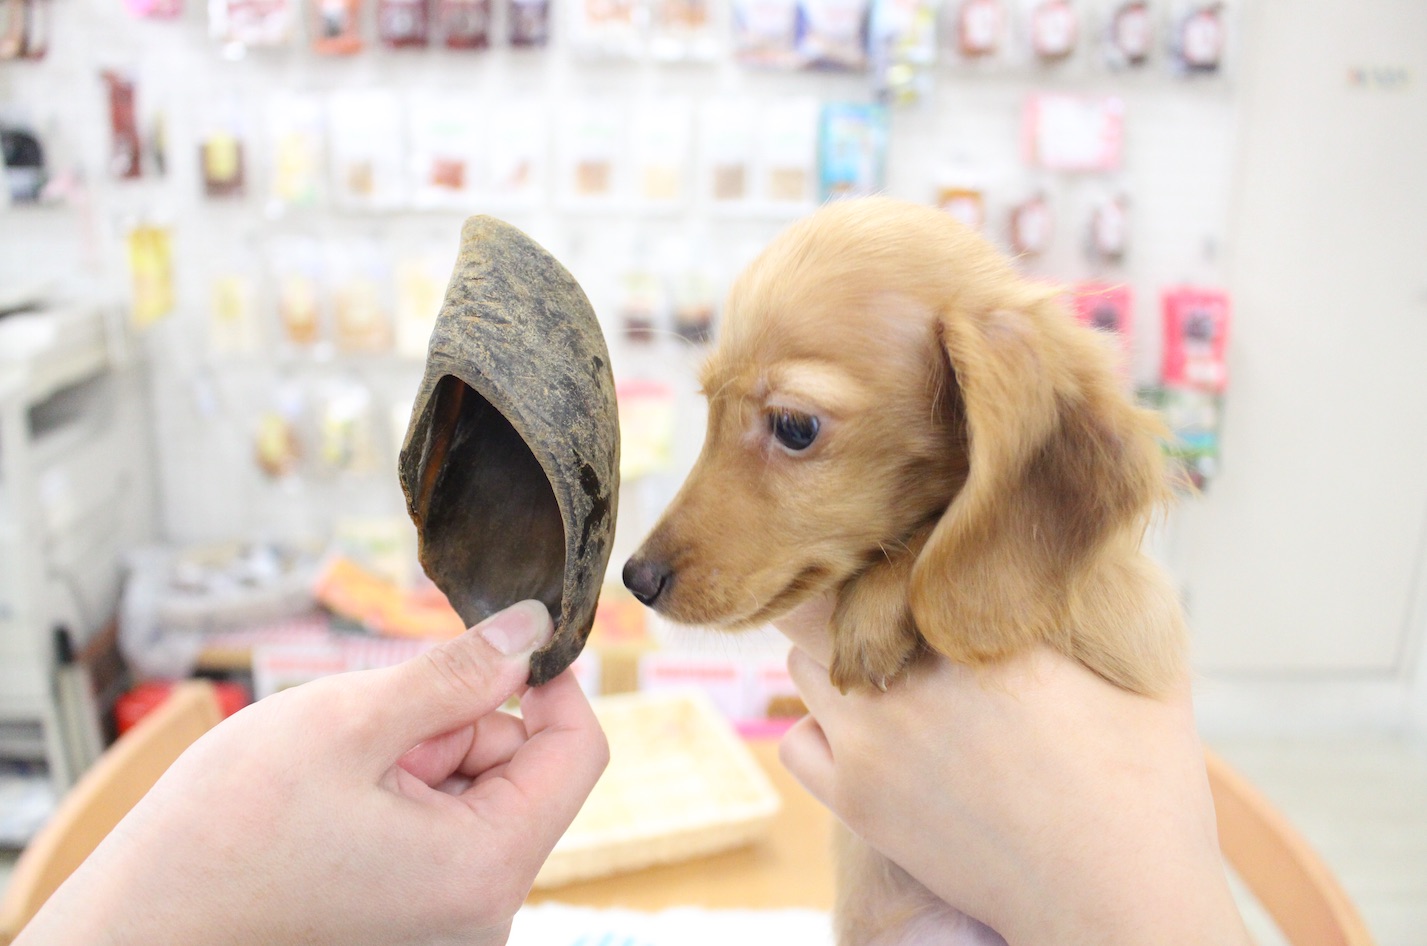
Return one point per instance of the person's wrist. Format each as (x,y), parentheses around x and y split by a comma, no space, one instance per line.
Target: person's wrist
(96,906)
(1183,918)
(129,892)
(1154,892)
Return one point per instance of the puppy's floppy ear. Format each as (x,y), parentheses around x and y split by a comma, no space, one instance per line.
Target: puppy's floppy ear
(1060,464)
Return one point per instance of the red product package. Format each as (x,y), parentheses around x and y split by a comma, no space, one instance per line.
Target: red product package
(144,698)
(1108,307)
(125,148)
(1196,336)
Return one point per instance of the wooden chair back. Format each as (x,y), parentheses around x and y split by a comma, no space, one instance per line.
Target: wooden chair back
(102,796)
(1279,867)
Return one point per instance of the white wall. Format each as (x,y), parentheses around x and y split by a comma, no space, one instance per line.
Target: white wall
(1177,172)
(1305,566)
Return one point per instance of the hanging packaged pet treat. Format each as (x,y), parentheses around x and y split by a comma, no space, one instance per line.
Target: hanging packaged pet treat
(346,435)
(980,27)
(297,272)
(220,152)
(1032,226)
(1075,132)
(641,305)
(368,167)
(902,48)
(695,302)
(1196,336)
(1107,307)
(445,139)
(464,24)
(788,144)
(966,204)
(765,33)
(646,427)
(277,445)
(1109,229)
(251,23)
(728,150)
(529,22)
(661,151)
(363,324)
(852,150)
(420,281)
(1193,418)
(403,24)
(682,31)
(1129,35)
(1197,37)
(361,296)
(12,29)
(221,157)
(336,27)
(151,273)
(605,29)
(593,144)
(125,147)
(1055,28)
(833,34)
(232,323)
(295,132)
(517,149)
(24,29)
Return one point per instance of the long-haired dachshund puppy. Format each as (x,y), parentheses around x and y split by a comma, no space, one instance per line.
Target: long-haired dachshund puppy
(899,418)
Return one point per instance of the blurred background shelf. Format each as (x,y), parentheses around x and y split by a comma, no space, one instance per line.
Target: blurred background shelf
(74,493)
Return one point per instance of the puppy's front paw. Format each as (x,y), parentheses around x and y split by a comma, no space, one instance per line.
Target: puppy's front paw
(873,635)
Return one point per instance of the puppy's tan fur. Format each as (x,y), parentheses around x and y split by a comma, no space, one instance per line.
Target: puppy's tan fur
(979,482)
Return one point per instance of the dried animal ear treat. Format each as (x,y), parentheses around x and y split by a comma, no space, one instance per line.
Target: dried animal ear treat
(510,464)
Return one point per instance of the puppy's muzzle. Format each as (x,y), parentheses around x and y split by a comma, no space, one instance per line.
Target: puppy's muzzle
(647,579)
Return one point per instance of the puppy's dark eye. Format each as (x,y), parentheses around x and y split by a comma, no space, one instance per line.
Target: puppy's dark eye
(793,430)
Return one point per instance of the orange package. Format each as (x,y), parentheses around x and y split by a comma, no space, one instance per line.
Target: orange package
(350,591)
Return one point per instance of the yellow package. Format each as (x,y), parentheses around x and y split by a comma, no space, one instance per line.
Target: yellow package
(151,270)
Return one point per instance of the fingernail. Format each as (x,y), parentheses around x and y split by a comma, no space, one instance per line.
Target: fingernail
(522,627)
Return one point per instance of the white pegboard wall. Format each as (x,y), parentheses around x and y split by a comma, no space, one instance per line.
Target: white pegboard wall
(1177,173)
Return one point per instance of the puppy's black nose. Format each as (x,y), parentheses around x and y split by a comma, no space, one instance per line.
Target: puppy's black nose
(647,579)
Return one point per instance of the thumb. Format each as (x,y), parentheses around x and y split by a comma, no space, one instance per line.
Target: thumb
(456,683)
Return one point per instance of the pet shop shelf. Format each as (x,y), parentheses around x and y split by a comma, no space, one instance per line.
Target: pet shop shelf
(680,784)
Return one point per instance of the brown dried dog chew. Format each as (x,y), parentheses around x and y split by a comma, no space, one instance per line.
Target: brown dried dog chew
(510,464)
